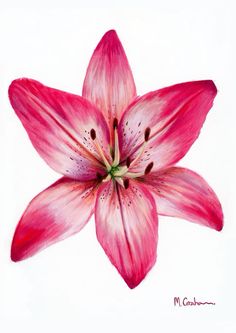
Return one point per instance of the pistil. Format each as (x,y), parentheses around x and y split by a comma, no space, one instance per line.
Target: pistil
(121,171)
(116,160)
(118,173)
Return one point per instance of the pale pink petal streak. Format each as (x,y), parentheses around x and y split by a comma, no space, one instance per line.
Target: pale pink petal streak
(53,215)
(182,193)
(126,226)
(109,82)
(59,124)
(175,116)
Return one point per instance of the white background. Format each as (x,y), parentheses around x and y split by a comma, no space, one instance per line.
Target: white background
(71,286)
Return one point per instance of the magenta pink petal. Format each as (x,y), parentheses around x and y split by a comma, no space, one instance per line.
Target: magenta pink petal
(174,115)
(126,225)
(109,82)
(183,193)
(53,215)
(59,124)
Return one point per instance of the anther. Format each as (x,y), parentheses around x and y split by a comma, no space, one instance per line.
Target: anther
(99,176)
(99,149)
(147,134)
(115,123)
(128,162)
(148,168)
(93,134)
(126,183)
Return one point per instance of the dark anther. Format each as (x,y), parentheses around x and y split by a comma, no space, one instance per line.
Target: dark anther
(115,123)
(147,133)
(148,168)
(128,162)
(93,134)
(126,183)
(99,176)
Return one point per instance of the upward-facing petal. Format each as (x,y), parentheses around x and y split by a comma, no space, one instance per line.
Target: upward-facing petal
(109,82)
(126,225)
(174,115)
(55,214)
(59,124)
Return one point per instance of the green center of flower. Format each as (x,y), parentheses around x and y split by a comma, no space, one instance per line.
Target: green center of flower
(113,171)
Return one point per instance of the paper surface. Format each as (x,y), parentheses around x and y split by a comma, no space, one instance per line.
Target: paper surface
(71,286)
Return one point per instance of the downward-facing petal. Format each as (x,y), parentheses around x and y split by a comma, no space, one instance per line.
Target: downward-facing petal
(174,115)
(59,124)
(55,214)
(182,193)
(126,225)
(109,82)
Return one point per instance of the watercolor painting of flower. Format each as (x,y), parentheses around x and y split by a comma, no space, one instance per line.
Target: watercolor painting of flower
(116,152)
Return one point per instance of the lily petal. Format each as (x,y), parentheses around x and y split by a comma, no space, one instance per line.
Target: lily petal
(180,192)
(109,82)
(126,226)
(59,124)
(53,215)
(174,115)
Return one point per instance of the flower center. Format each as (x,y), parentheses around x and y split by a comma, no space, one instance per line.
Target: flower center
(115,171)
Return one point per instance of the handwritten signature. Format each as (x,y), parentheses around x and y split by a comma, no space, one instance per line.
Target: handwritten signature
(186,302)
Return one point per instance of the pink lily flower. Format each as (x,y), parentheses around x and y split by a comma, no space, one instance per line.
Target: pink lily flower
(116,152)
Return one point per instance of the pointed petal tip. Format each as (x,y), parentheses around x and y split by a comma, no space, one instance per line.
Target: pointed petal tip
(132,284)
(110,43)
(219,229)
(17,83)
(18,252)
(220,225)
(15,256)
(110,34)
(12,86)
(210,86)
(219,218)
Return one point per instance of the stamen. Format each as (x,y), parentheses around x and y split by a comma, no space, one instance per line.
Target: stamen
(128,162)
(142,148)
(140,174)
(99,176)
(93,134)
(108,177)
(133,175)
(116,160)
(147,134)
(139,154)
(115,123)
(148,168)
(120,181)
(126,183)
(99,149)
